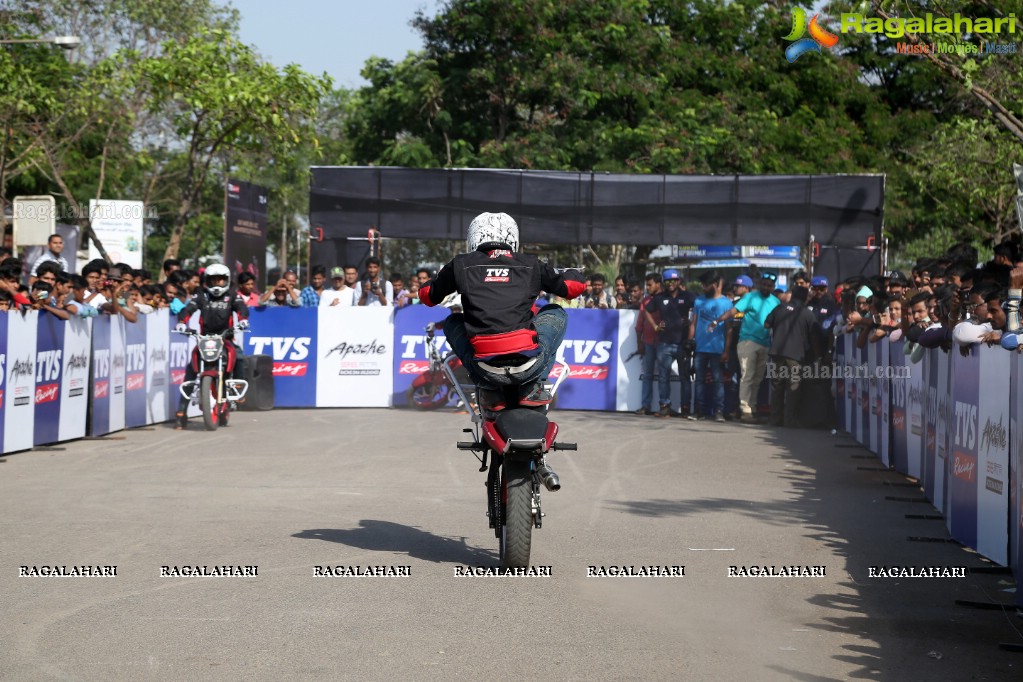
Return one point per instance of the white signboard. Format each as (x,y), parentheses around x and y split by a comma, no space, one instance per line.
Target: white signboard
(118,225)
(356,363)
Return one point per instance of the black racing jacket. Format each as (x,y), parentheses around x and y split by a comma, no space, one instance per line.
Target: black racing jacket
(498,289)
(215,312)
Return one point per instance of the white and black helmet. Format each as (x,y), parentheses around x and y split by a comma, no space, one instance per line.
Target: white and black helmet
(217,270)
(492,228)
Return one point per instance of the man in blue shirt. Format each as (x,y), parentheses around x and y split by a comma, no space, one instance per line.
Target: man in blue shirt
(754,339)
(712,341)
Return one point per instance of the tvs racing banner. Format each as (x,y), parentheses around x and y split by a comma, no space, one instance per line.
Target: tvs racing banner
(245,228)
(590,349)
(19,394)
(290,336)
(356,355)
(899,406)
(962,488)
(411,355)
(49,350)
(135,374)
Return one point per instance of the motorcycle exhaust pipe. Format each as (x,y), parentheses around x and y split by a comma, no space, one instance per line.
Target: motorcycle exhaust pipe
(549,478)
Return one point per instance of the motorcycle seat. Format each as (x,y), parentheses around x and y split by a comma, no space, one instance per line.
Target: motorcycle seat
(522,426)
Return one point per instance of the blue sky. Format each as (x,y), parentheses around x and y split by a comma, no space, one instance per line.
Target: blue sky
(333,36)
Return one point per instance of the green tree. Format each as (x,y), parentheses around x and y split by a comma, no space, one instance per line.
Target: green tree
(222,97)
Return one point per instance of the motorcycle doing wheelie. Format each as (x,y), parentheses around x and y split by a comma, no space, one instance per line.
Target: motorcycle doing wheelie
(432,389)
(213,359)
(516,440)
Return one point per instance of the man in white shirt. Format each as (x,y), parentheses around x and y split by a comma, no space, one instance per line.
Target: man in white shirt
(55,244)
(340,294)
(374,289)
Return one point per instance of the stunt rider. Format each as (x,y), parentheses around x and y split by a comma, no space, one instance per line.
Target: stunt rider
(507,350)
(216,303)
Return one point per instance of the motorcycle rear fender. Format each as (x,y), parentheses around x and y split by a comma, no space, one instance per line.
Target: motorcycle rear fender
(520,430)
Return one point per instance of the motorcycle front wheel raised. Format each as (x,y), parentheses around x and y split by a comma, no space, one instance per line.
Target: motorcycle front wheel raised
(517,516)
(208,403)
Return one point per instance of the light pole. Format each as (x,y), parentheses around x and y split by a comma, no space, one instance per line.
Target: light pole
(64,42)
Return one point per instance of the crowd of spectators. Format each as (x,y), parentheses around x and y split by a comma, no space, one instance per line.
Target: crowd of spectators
(119,289)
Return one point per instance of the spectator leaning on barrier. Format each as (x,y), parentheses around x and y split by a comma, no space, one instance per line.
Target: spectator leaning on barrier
(795,343)
(977,323)
(674,305)
(44,301)
(754,339)
(646,343)
(373,289)
(340,294)
(310,296)
(712,341)
(54,246)
(920,320)
(286,284)
(1013,323)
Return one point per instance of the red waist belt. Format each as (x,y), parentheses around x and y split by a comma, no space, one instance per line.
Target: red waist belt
(519,341)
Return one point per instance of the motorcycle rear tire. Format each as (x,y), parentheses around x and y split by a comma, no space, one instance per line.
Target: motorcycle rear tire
(517,516)
(208,403)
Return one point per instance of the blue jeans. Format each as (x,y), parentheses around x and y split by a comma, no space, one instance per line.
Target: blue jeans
(713,362)
(550,324)
(666,354)
(649,358)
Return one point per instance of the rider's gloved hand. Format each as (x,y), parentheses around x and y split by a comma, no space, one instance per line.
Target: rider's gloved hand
(243,324)
(181,327)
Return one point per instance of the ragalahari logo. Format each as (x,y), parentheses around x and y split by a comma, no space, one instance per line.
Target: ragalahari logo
(819,37)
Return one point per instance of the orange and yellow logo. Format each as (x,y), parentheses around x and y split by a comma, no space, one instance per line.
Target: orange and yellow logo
(819,37)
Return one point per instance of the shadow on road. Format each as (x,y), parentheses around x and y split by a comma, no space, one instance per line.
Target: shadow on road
(385,536)
(838,494)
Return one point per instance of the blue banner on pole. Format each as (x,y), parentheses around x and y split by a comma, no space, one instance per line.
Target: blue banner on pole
(135,374)
(49,352)
(591,350)
(962,488)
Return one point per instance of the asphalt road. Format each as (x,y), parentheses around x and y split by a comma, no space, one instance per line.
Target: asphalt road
(293,489)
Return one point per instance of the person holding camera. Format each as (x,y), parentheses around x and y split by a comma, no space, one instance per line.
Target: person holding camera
(374,289)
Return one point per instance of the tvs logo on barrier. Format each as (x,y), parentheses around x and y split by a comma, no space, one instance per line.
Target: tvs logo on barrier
(587,359)
(177,376)
(101,389)
(819,37)
(47,393)
(101,363)
(287,351)
(964,467)
(136,382)
(48,366)
(899,420)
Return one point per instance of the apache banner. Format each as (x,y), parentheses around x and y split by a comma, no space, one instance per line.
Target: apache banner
(245,229)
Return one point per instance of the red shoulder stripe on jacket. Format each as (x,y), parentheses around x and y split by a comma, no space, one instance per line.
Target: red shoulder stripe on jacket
(424,294)
(574,288)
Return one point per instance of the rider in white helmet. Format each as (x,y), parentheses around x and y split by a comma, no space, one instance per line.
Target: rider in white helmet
(505,348)
(217,303)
